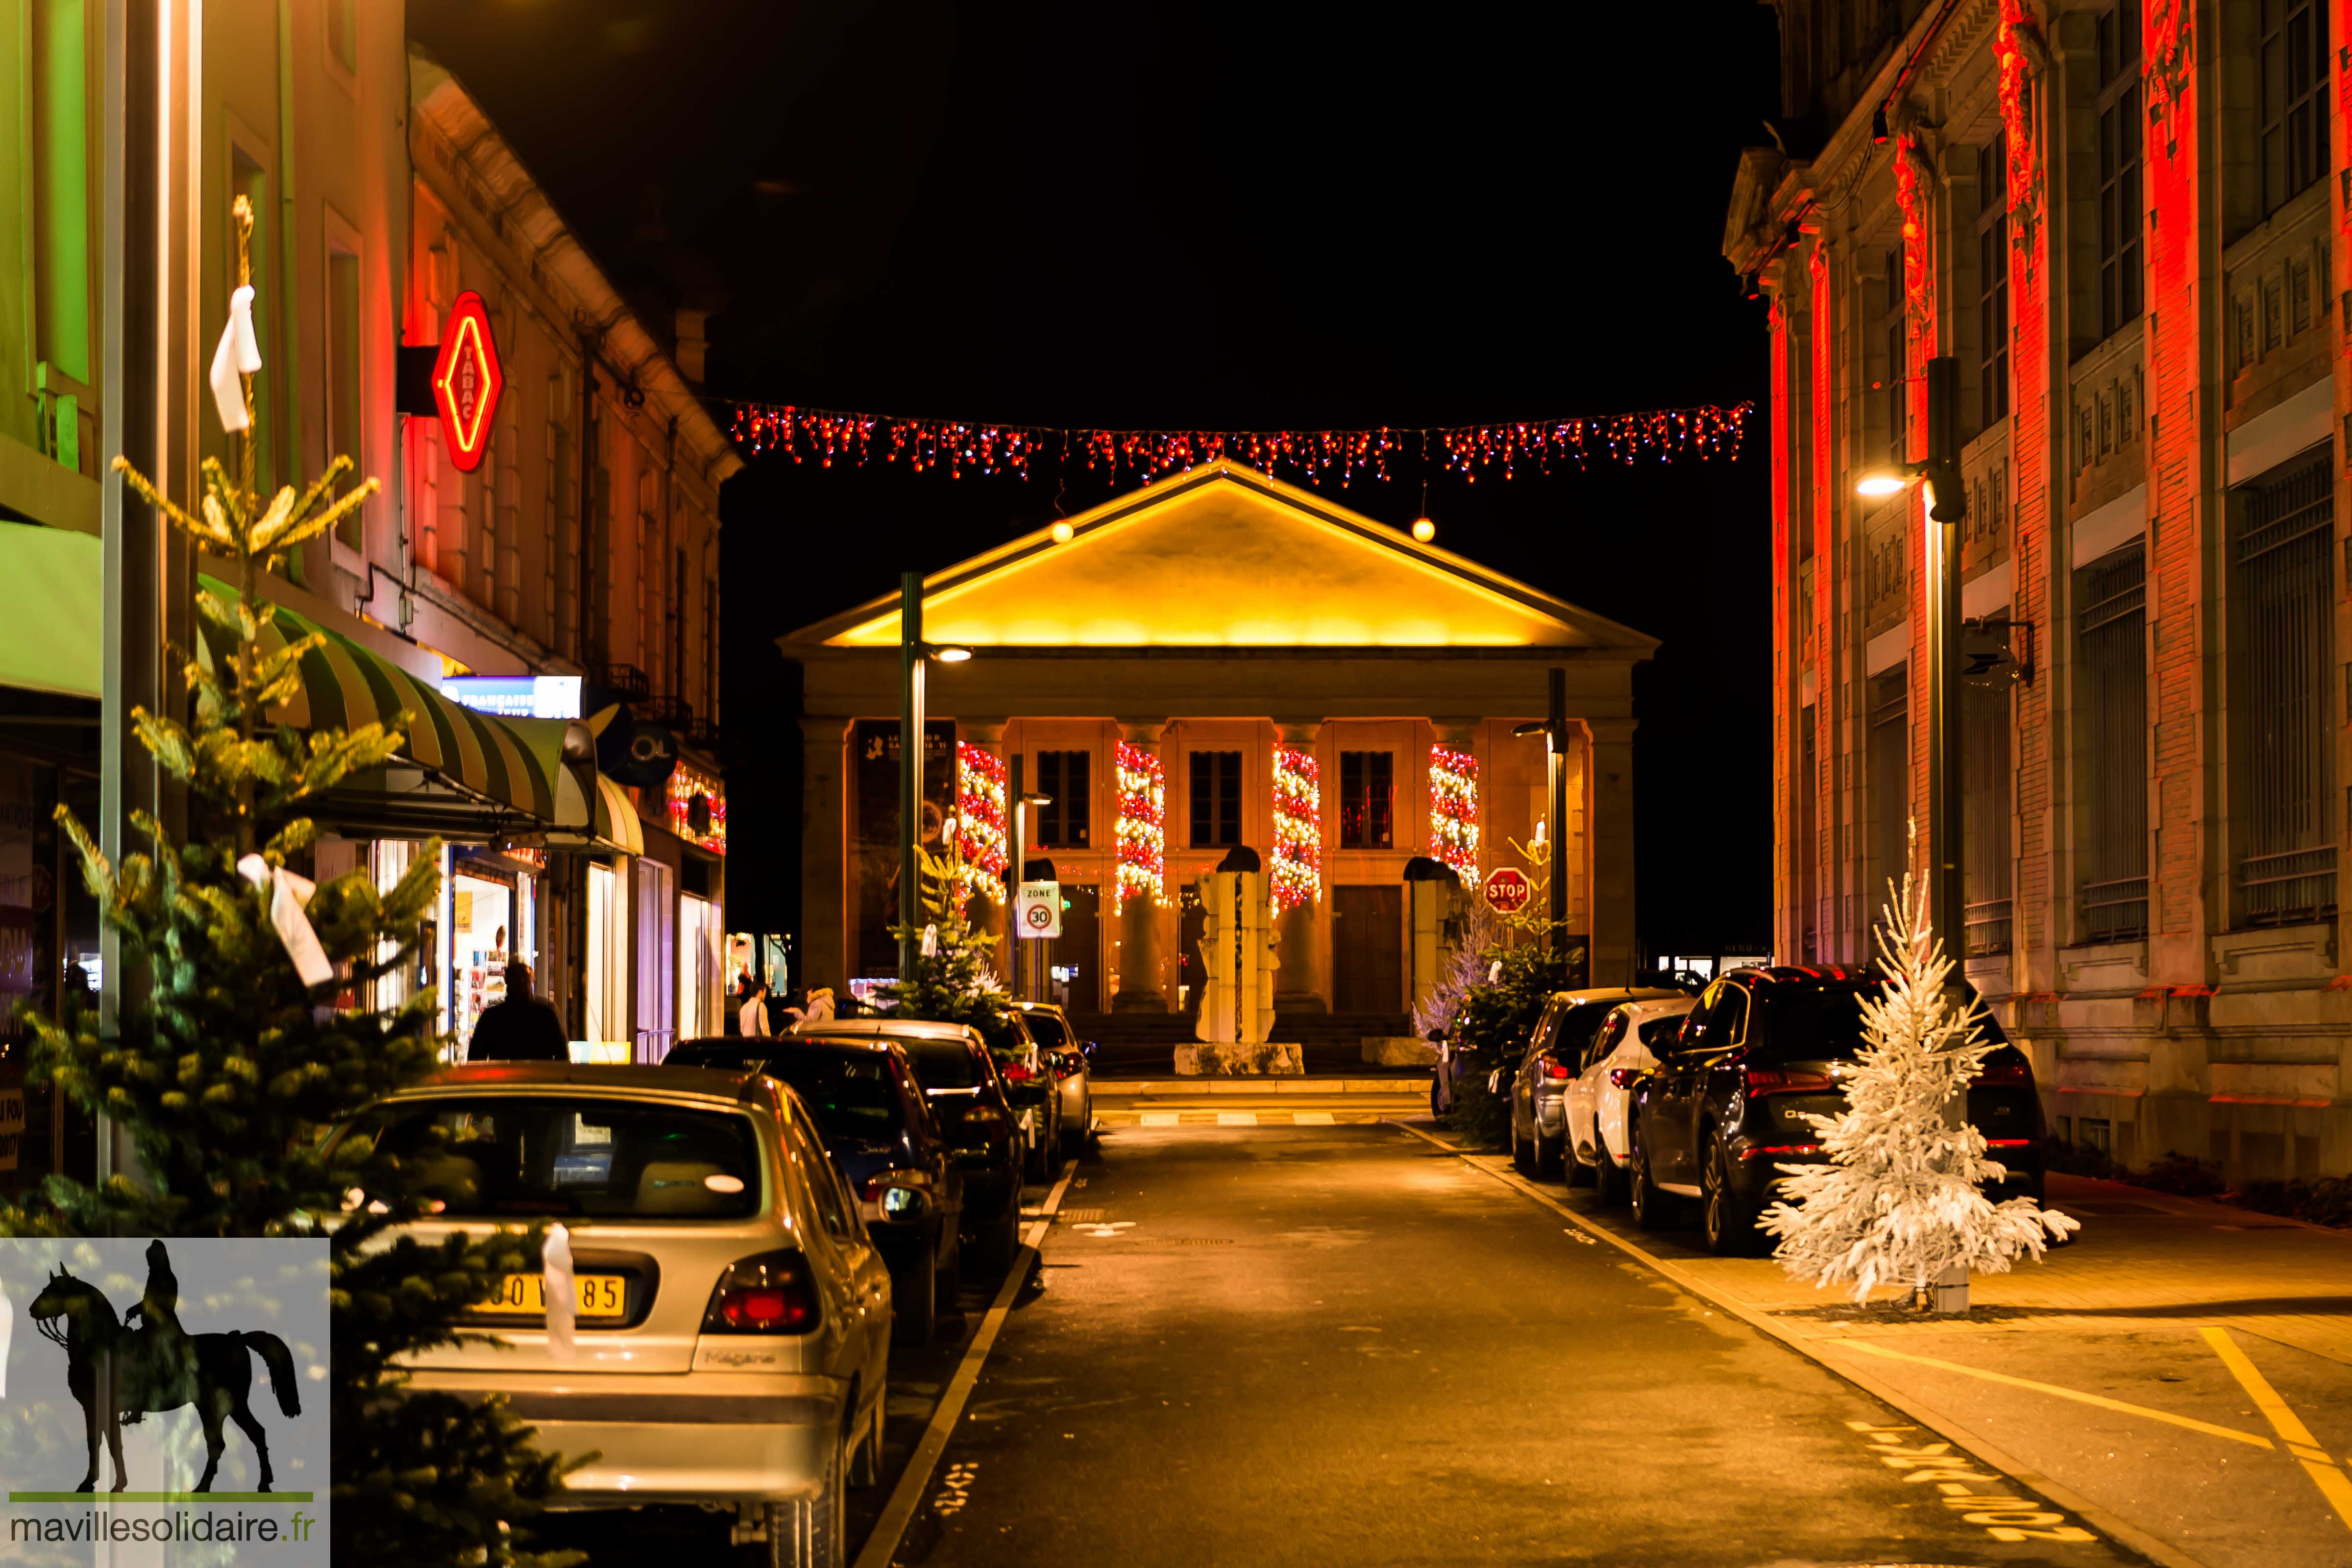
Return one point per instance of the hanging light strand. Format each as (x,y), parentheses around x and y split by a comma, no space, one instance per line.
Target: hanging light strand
(828,437)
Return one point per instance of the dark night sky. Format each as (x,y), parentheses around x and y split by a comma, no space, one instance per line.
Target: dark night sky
(1191,214)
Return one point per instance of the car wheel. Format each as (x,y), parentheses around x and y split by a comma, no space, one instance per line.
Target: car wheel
(999,1238)
(1730,1228)
(1437,1107)
(1073,1139)
(1518,1151)
(1652,1209)
(866,1459)
(915,1307)
(811,1533)
(1607,1176)
(1550,1153)
(1033,1160)
(944,1277)
(1579,1174)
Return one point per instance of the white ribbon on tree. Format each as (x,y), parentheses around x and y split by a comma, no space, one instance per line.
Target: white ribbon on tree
(556,1281)
(287,896)
(239,353)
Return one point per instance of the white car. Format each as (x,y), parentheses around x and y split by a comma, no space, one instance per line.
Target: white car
(733,1319)
(1625,1046)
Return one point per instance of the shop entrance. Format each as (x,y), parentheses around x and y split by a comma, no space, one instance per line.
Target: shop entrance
(1075,977)
(1368,948)
(481,935)
(1193,925)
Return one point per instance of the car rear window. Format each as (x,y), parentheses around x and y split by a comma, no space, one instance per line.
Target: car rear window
(1659,1033)
(1815,1021)
(1576,1025)
(496,1156)
(1051,1032)
(852,1094)
(942,1064)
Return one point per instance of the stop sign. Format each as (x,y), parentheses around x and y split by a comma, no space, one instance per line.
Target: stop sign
(1509,889)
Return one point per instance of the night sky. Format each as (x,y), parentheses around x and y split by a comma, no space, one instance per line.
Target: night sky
(1197,216)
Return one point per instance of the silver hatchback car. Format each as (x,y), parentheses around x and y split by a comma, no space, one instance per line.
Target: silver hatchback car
(1553,1056)
(733,1319)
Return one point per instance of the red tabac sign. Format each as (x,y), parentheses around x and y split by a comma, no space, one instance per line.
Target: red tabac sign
(1509,889)
(466,381)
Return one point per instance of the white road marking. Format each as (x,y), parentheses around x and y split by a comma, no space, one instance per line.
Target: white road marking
(1159,1118)
(908,1495)
(1312,1118)
(1236,1117)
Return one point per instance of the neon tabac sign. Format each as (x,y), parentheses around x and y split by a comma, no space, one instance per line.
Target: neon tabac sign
(466,381)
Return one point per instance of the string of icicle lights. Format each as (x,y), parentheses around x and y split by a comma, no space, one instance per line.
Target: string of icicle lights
(829,437)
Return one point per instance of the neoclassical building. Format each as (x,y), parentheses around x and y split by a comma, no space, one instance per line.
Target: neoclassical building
(1185,655)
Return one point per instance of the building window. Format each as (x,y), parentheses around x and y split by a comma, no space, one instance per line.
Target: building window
(1063,820)
(1890,778)
(343,380)
(249,179)
(62,219)
(2120,149)
(1367,800)
(676,613)
(342,32)
(1992,279)
(2111,620)
(1216,798)
(560,622)
(2281,526)
(1809,836)
(1898,366)
(2293,73)
(1984,717)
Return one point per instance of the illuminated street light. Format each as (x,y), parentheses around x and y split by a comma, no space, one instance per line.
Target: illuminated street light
(1892,479)
(1064,533)
(949,655)
(1424,529)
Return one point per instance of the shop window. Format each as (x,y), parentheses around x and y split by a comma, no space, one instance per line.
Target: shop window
(1367,800)
(342,363)
(1216,798)
(2293,70)
(1899,363)
(2284,527)
(62,222)
(1890,776)
(1992,279)
(2120,130)
(1063,822)
(2111,700)
(2095,1133)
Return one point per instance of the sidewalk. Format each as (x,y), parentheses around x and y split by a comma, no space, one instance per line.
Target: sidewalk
(2184,1368)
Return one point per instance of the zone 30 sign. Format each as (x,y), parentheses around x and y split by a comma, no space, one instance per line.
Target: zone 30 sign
(1037,909)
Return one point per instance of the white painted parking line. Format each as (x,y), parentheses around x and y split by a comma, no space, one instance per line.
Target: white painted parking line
(1158,1119)
(891,1528)
(1312,1118)
(1236,1117)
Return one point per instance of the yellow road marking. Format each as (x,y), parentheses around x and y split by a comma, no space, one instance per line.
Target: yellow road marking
(1312,1118)
(2333,1484)
(2250,1438)
(1159,1118)
(1236,1117)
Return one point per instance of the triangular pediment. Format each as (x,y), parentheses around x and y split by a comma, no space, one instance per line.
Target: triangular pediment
(1223,556)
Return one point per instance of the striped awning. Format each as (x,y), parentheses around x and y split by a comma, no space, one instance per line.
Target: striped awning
(514,763)
(616,817)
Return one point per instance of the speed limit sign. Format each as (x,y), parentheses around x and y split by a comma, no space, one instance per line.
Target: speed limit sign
(1037,909)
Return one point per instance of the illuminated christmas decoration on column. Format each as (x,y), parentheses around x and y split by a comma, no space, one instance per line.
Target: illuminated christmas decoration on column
(1142,829)
(1297,828)
(1453,810)
(2018,47)
(979,816)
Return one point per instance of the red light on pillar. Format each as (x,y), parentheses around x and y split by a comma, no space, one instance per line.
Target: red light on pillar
(466,381)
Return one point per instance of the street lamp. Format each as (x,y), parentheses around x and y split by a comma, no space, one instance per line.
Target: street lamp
(1553,727)
(914,654)
(1946,506)
(1022,801)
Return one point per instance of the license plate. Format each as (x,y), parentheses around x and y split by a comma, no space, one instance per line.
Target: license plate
(595,1296)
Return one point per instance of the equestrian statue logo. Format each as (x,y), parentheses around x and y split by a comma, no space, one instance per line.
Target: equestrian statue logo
(119,1373)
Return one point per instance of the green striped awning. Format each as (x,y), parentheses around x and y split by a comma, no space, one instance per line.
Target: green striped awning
(516,763)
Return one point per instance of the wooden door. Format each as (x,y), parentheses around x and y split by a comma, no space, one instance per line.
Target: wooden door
(1368,948)
(1077,951)
(1192,926)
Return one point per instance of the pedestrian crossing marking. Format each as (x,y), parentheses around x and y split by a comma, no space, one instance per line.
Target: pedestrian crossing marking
(1237,1118)
(1312,1118)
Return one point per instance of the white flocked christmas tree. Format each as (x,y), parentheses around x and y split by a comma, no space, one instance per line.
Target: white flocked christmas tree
(1902,1200)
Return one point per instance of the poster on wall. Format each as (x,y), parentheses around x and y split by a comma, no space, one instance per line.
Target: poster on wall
(874,828)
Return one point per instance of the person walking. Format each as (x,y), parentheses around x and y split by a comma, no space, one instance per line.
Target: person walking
(519,1027)
(752,1017)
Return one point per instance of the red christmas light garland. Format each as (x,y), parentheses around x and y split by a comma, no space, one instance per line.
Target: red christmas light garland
(1142,830)
(823,435)
(980,814)
(1297,828)
(1454,809)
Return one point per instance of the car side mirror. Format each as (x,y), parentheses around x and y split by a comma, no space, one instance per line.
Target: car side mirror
(1090,1047)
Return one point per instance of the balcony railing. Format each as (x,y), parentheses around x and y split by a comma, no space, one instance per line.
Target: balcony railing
(2287,888)
(2116,911)
(1987,927)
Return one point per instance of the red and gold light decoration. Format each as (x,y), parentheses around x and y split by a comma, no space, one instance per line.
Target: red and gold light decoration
(981,817)
(2018,49)
(1454,809)
(1297,828)
(827,436)
(688,781)
(1142,826)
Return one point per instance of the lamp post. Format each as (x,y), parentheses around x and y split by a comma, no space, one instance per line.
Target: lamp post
(913,654)
(1946,506)
(1554,730)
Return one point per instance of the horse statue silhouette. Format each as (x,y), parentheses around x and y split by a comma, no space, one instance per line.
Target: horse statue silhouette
(119,1373)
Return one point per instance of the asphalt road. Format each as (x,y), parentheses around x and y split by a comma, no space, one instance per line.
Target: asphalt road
(1339,1345)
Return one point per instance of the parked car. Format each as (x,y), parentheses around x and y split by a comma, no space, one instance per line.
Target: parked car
(1028,1071)
(885,1143)
(1537,1079)
(717,1255)
(1764,1048)
(1073,1071)
(1623,1051)
(961,1085)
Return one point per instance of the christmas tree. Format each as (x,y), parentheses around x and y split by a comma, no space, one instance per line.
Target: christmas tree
(238,1055)
(1902,1201)
(953,981)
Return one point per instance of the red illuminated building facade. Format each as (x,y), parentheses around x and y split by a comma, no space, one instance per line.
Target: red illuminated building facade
(2126,222)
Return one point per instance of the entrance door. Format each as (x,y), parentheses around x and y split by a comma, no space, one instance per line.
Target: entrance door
(1367,949)
(1192,926)
(1075,978)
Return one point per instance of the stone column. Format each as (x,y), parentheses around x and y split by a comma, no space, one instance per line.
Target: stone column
(1143,985)
(987,909)
(1610,834)
(1299,985)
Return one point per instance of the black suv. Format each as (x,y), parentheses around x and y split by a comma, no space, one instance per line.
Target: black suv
(1763,1048)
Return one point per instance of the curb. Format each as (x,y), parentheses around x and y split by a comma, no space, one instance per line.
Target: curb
(2130,1536)
(1122,1089)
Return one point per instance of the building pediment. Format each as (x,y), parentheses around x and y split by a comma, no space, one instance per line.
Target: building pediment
(1223,556)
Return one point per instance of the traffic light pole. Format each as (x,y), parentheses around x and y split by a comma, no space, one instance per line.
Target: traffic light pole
(1947,506)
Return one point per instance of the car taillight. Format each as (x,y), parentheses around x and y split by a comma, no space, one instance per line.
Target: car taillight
(1555,1068)
(1015,1072)
(1774,1080)
(1626,1078)
(770,1294)
(2006,1072)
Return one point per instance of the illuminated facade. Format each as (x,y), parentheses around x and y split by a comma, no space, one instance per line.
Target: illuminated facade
(2123,220)
(1148,673)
